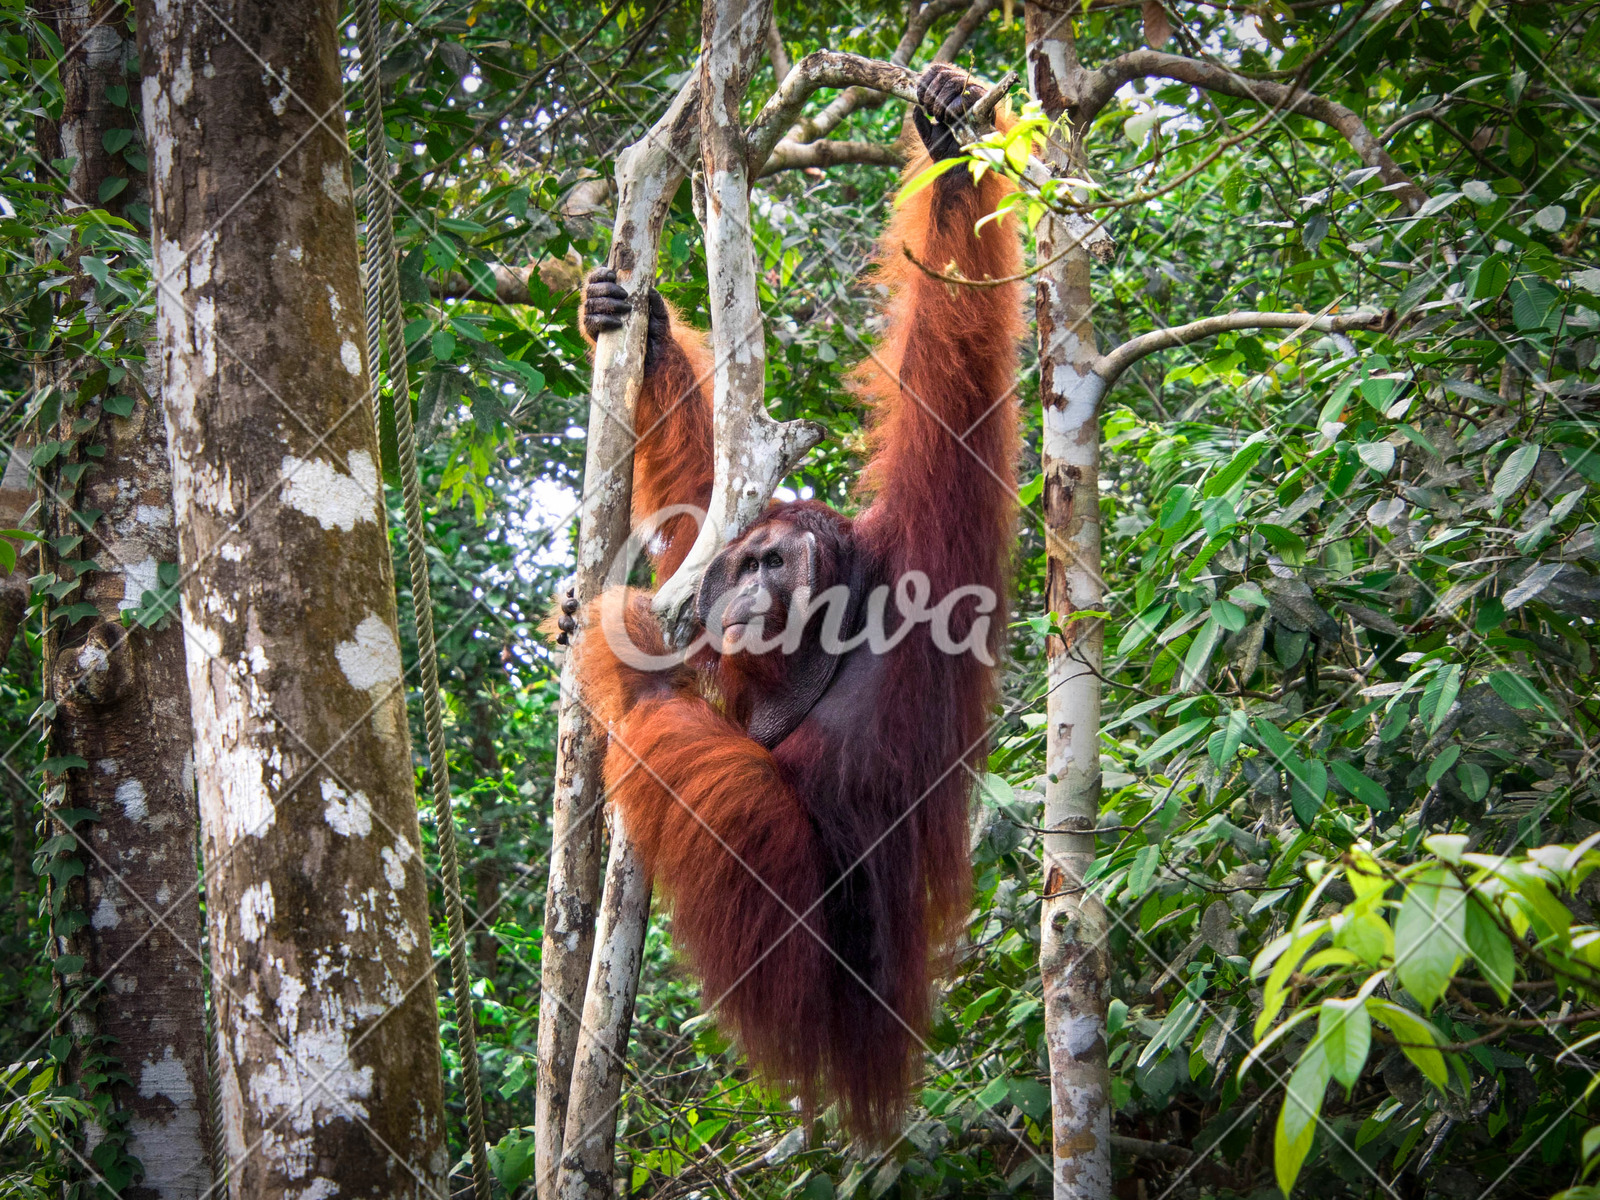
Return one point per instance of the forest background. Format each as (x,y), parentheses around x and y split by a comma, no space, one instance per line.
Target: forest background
(1350,580)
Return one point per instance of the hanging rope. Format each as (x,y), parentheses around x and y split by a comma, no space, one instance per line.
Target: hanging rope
(384,324)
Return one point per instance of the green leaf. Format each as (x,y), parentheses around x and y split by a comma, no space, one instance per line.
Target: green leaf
(1199,656)
(1143,871)
(1290,546)
(1514,472)
(1141,627)
(1031,1096)
(1443,763)
(1228,615)
(1474,780)
(118,406)
(112,187)
(1439,695)
(1297,1119)
(69,964)
(1172,740)
(1238,466)
(1378,456)
(1518,692)
(1308,785)
(1429,933)
(1232,734)
(1358,785)
(925,178)
(1490,947)
(115,139)
(1345,1031)
(443,344)
(1032,490)
(1416,1038)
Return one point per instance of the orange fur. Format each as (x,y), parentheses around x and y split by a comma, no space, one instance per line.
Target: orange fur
(858,818)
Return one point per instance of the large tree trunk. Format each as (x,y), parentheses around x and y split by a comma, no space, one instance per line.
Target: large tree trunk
(1073,962)
(131,921)
(317,900)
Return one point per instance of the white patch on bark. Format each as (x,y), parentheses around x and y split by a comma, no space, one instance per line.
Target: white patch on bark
(207,488)
(350,356)
(139,578)
(394,863)
(232,552)
(336,500)
(333,184)
(131,795)
(230,710)
(256,910)
(157,515)
(106,915)
(205,328)
(174,1158)
(372,658)
(182,81)
(93,658)
(348,814)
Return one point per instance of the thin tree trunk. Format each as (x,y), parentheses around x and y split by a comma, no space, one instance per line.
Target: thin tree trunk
(317,901)
(648,175)
(486,874)
(752,453)
(1073,962)
(131,921)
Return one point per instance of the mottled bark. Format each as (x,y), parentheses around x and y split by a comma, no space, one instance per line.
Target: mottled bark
(602,1052)
(121,697)
(1073,962)
(648,175)
(751,451)
(317,901)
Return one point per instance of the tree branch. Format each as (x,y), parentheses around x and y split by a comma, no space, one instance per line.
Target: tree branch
(790,156)
(579,1075)
(751,452)
(777,52)
(821,69)
(1110,366)
(1102,84)
(865,95)
(964,29)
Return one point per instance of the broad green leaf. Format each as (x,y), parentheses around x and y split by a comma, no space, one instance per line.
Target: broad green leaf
(1378,456)
(1514,472)
(1230,616)
(1297,1119)
(1474,780)
(1199,656)
(1239,465)
(1490,947)
(1518,692)
(1358,785)
(1308,786)
(1439,695)
(1232,735)
(1442,763)
(1416,1038)
(1345,1031)
(1143,871)
(1141,627)
(1429,933)
(1172,740)
(926,177)
(1366,936)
